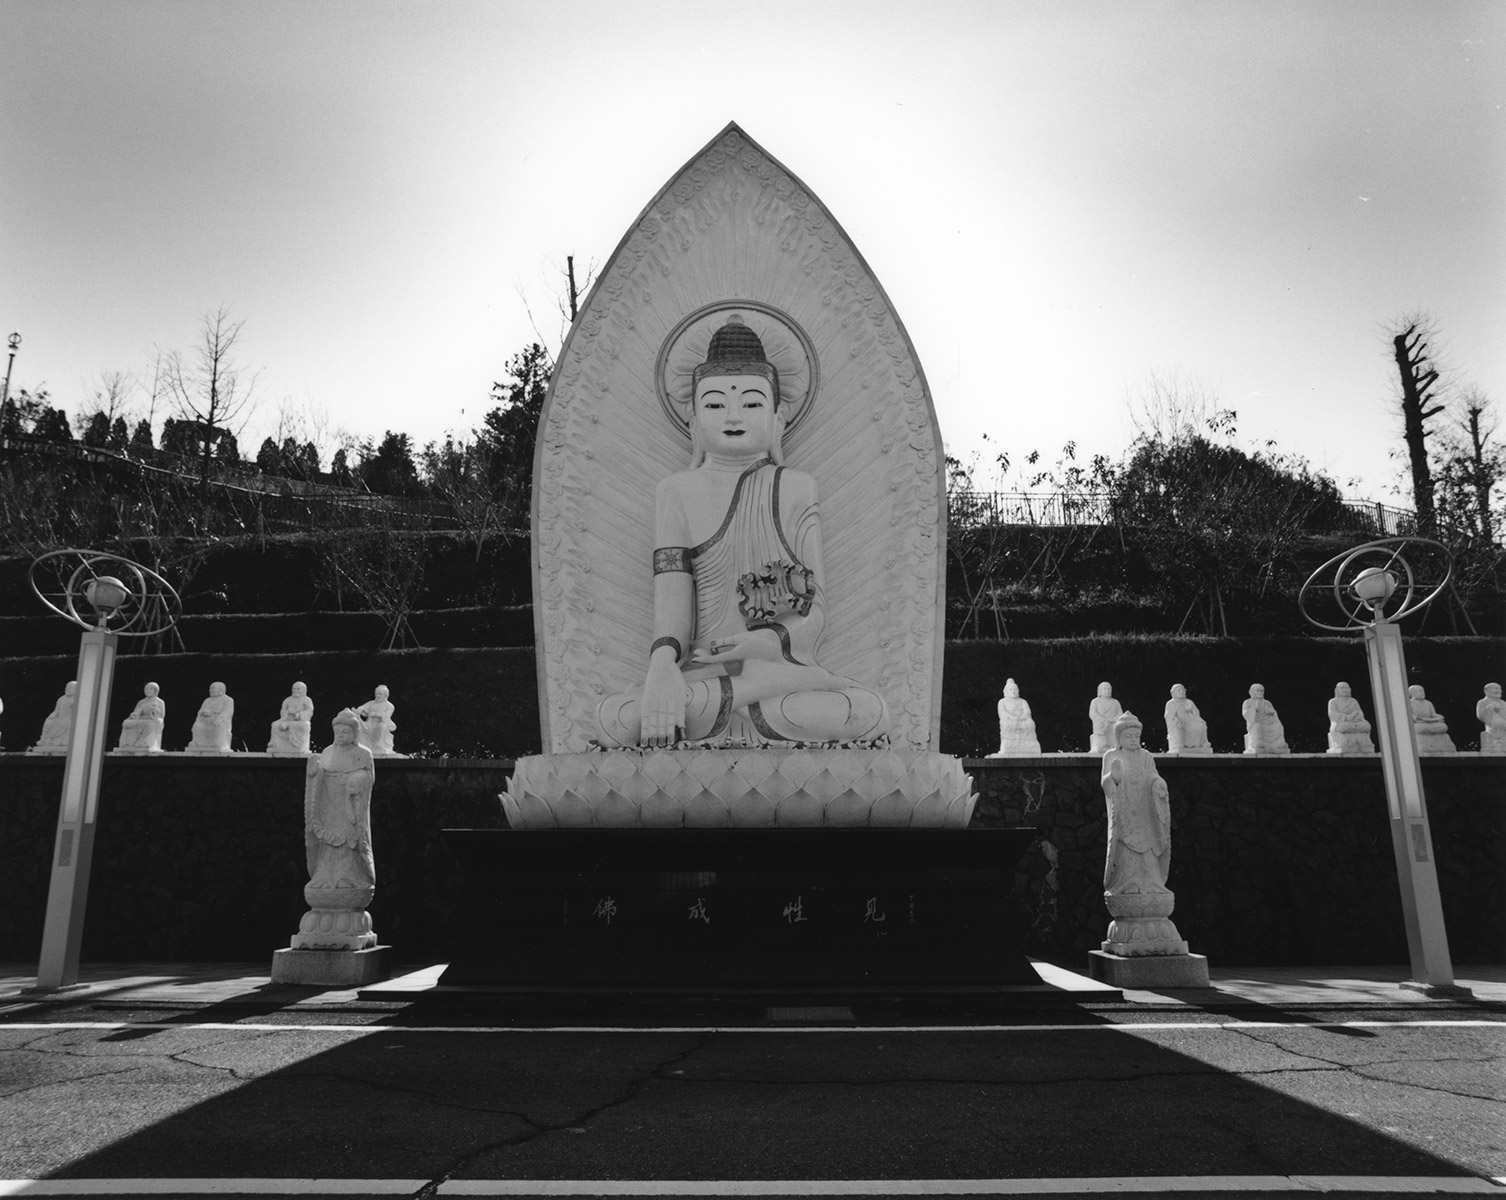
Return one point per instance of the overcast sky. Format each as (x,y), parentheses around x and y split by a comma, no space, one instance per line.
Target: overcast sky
(1058,197)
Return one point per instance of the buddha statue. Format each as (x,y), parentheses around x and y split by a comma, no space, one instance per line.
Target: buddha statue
(738,600)
(1103,711)
(1431,729)
(377,725)
(290,732)
(59,723)
(141,732)
(1490,709)
(1348,731)
(1264,733)
(211,726)
(1016,727)
(1186,731)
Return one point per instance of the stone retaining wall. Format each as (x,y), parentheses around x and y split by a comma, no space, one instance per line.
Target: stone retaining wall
(1274,861)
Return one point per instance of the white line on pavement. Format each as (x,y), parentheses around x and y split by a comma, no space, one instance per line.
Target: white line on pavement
(1155,1185)
(847,1030)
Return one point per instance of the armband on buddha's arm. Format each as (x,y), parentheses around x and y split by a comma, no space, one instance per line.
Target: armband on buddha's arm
(670,559)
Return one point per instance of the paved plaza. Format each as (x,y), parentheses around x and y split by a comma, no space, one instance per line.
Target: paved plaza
(206,1079)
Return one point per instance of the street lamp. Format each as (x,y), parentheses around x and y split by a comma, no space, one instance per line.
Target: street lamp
(68,582)
(14,342)
(1361,594)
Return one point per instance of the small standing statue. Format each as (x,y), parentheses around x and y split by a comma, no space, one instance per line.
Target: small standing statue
(59,724)
(377,724)
(1491,711)
(1103,712)
(211,727)
(1264,733)
(1016,727)
(1139,849)
(1432,730)
(141,732)
(1186,731)
(1348,731)
(337,840)
(290,732)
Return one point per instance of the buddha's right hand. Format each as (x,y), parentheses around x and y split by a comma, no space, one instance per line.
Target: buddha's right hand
(663,709)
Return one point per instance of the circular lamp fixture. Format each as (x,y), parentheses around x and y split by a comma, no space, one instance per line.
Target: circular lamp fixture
(105,595)
(1373,586)
(14,341)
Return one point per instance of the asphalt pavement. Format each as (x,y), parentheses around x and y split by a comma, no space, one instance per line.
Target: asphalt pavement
(205,1079)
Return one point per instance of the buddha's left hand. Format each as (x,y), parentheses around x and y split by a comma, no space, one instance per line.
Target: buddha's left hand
(755,645)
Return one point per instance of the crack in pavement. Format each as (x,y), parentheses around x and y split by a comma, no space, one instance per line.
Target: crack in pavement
(538,1129)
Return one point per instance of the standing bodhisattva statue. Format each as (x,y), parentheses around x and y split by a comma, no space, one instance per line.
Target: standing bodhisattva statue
(738,573)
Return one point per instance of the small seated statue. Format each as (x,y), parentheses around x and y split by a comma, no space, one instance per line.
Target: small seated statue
(377,725)
(1348,731)
(1016,727)
(1431,729)
(211,727)
(290,732)
(739,601)
(141,732)
(59,723)
(1186,731)
(1491,711)
(1264,733)
(1103,712)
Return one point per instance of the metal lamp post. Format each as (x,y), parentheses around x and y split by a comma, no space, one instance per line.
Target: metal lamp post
(90,598)
(14,342)
(1362,594)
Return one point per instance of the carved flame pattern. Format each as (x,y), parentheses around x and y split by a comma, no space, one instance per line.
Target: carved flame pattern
(735,223)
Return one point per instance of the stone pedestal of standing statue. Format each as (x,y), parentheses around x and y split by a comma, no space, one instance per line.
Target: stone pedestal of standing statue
(335,945)
(1431,729)
(1016,726)
(1143,948)
(1348,730)
(1490,710)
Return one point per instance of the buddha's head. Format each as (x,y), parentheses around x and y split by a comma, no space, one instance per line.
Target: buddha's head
(1493,691)
(1257,692)
(1178,692)
(1341,689)
(381,691)
(216,689)
(1416,692)
(1127,730)
(344,724)
(300,690)
(1105,690)
(736,409)
(150,691)
(70,687)
(1011,689)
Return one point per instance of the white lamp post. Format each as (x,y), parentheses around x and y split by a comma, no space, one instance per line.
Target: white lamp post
(1362,594)
(145,607)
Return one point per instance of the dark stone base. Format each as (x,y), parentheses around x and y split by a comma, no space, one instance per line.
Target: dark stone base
(739,908)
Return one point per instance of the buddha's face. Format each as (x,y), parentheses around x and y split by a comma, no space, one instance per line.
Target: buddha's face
(1257,692)
(216,689)
(1493,690)
(151,691)
(69,688)
(300,690)
(1129,738)
(1416,692)
(1178,692)
(735,415)
(1341,690)
(345,734)
(1012,690)
(1105,690)
(381,693)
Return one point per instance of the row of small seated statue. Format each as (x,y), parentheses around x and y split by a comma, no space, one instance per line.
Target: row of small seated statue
(141,732)
(1187,732)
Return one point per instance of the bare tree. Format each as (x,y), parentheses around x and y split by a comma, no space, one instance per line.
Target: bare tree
(207,388)
(1420,388)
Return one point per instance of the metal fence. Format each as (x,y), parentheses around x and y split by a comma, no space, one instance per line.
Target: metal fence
(972,509)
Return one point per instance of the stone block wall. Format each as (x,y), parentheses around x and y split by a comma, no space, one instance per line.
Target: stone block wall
(1274,861)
